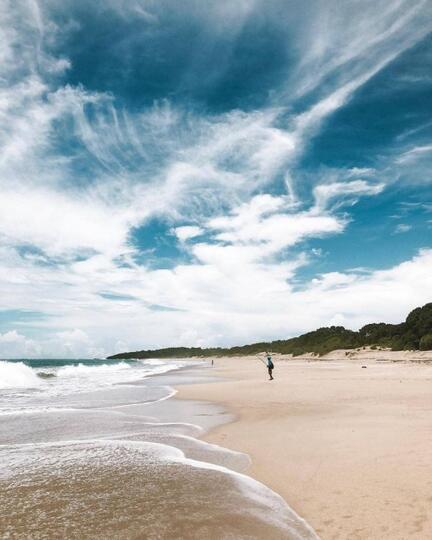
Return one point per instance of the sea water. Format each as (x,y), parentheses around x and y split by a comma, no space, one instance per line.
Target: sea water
(98,449)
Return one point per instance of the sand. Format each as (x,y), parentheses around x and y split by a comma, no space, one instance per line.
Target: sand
(349,448)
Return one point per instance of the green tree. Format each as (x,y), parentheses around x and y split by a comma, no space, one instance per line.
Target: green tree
(426,342)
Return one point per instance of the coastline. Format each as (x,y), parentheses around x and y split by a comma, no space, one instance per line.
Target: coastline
(105,451)
(348,448)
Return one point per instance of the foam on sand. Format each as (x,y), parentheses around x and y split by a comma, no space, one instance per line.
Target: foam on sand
(157,490)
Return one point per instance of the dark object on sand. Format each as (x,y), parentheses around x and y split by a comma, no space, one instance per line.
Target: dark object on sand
(269,365)
(364,367)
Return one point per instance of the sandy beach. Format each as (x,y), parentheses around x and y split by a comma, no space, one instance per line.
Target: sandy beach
(349,448)
(91,450)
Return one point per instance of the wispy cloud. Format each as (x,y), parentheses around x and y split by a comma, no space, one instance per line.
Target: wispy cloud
(402,228)
(82,167)
(415,153)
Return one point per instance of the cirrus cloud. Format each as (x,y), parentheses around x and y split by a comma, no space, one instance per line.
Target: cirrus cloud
(220,156)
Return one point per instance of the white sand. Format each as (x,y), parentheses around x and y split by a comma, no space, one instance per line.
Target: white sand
(350,449)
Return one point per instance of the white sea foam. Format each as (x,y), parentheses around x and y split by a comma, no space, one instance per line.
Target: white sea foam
(37,410)
(120,372)
(82,370)
(83,378)
(170,393)
(153,362)
(257,498)
(158,366)
(17,375)
(21,388)
(270,506)
(114,442)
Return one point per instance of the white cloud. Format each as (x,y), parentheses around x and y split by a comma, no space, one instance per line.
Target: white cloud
(342,41)
(13,344)
(74,343)
(270,234)
(324,193)
(65,238)
(361,171)
(195,181)
(11,337)
(60,224)
(414,153)
(223,301)
(402,228)
(187,231)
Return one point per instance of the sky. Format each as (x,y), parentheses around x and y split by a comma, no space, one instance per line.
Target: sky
(210,172)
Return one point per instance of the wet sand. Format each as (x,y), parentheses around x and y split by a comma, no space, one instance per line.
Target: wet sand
(349,448)
(123,461)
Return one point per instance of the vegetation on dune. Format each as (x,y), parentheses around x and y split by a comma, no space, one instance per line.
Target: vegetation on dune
(413,334)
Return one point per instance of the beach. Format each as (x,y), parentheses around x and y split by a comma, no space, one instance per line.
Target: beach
(348,447)
(95,449)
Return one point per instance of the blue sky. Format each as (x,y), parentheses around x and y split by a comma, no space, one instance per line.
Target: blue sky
(210,172)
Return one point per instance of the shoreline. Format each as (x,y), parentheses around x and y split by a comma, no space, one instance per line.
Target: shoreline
(113,459)
(348,448)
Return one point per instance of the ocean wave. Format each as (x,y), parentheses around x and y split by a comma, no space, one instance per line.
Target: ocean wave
(17,375)
(153,362)
(83,370)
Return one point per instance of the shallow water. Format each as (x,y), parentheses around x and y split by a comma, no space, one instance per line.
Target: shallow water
(102,451)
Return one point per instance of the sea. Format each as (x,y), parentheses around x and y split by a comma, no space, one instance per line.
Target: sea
(102,449)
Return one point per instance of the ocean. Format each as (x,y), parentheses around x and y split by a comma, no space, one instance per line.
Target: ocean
(101,449)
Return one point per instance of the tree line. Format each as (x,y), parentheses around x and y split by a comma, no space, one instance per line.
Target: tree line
(415,333)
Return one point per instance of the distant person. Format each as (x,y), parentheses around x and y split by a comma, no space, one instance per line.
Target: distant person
(270,365)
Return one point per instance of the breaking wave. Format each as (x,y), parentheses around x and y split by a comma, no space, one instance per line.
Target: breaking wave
(17,375)
(81,369)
